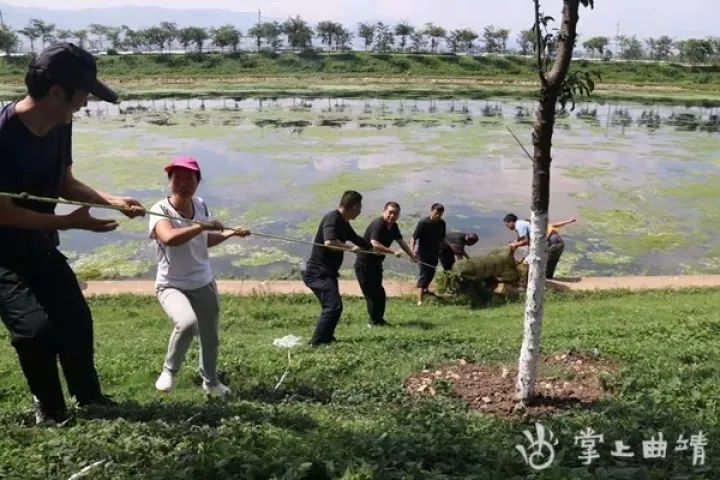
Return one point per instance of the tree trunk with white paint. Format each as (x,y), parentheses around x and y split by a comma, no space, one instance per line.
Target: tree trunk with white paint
(551,83)
(535,298)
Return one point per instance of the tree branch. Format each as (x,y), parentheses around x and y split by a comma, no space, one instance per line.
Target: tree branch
(565,44)
(539,45)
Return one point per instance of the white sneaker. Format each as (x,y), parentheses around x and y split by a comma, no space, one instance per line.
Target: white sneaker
(165,382)
(217,389)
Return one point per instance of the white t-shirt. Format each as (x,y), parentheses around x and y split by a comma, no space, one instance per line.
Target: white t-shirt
(523,228)
(185,266)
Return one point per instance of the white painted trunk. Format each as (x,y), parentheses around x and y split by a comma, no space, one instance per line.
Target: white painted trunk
(535,296)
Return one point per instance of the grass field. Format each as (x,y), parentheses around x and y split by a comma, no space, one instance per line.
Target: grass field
(369,75)
(342,411)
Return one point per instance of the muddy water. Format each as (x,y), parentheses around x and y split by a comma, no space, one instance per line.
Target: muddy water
(640,179)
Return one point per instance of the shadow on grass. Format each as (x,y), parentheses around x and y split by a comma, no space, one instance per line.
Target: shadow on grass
(211,414)
(419,324)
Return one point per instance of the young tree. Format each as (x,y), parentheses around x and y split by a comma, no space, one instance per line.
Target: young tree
(630,47)
(490,39)
(226,36)
(100,31)
(113,36)
(185,37)
(299,34)
(134,39)
(198,36)
(403,30)
(436,33)
(556,86)
(256,31)
(366,31)
(502,36)
(695,50)
(453,40)
(31,33)
(169,32)
(384,38)
(526,41)
(63,35)
(326,31)
(664,46)
(273,30)
(82,36)
(594,44)
(8,40)
(467,37)
(44,30)
(155,37)
(419,41)
(343,38)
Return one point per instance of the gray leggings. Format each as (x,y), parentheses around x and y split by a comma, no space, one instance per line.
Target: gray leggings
(193,312)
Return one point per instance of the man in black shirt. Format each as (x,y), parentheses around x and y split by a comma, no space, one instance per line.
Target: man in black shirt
(41,302)
(369,268)
(454,247)
(426,242)
(323,266)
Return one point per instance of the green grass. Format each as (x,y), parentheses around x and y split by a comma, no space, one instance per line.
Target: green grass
(342,411)
(391,75)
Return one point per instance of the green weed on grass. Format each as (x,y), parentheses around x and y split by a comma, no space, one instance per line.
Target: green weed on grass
(342,411)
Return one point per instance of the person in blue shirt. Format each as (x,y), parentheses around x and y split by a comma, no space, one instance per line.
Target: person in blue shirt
(522,229)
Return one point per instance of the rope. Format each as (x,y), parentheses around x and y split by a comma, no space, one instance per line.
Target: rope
(27,196)
(520,143)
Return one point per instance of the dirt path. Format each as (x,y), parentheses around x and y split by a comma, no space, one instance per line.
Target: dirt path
(395,288)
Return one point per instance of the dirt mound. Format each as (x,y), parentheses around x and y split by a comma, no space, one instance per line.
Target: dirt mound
(565,381)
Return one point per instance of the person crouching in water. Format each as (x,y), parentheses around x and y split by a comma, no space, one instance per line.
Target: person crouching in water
(185,284)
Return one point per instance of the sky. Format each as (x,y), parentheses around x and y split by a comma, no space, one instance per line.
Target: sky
(642,17)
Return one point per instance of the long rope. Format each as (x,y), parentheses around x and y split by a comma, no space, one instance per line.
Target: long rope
(34,198)
(520,143)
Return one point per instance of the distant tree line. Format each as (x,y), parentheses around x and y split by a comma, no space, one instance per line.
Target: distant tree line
(297,35)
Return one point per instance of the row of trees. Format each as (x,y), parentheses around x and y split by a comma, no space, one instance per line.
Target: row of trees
(693,50)
(296,34)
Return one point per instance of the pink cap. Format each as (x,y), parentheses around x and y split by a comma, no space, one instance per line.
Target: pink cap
(184,162)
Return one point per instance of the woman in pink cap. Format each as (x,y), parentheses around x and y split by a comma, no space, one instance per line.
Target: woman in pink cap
(185,283)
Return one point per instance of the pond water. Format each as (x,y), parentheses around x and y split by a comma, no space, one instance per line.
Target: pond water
(642,180)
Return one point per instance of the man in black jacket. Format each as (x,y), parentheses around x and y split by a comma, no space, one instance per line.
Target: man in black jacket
(426,241)
(41,303)
(323,266)
(369,268)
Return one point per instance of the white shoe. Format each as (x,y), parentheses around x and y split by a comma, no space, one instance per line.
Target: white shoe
(165,382)
(217,389)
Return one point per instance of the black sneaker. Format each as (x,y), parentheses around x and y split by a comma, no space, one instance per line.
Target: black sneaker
(99,401)
(46,418)
(381,323)
(323,343)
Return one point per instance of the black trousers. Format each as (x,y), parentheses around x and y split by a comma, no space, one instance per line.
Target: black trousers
(447,258)
(370,278)
(44,309)
(426,273)
(325,288)
(555,250)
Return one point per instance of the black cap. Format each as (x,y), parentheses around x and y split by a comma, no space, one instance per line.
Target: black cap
(70,66)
